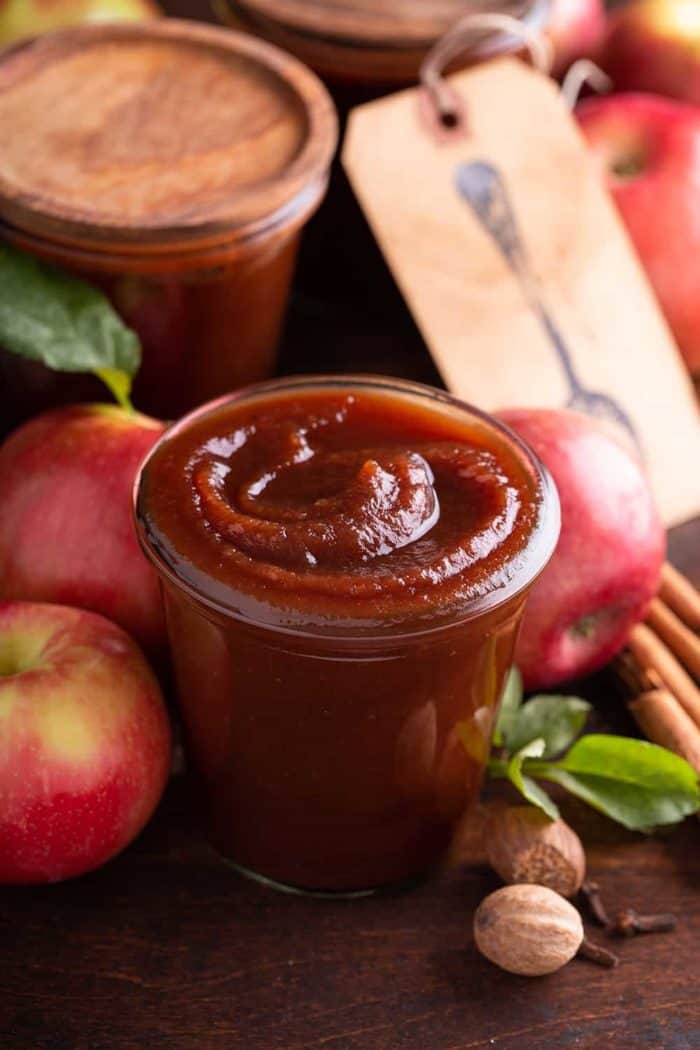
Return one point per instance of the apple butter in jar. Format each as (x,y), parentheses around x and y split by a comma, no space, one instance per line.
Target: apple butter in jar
(173,165)
(345,562)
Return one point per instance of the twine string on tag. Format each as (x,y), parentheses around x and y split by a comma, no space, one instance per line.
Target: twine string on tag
(460,38)
(584,73)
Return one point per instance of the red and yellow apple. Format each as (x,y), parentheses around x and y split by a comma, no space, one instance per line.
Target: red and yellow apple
(606,567)
(654,45)
(25,18)
(66,528)
(648,151)
(84,742)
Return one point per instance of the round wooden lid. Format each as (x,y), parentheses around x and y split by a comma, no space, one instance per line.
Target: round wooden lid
(385,23)
(159,132)
(373,41)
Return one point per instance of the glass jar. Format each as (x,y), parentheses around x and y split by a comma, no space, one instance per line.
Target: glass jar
(339,714)
(174,166)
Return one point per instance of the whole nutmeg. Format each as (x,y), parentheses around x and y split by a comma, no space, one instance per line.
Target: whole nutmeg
(527,930)
(524,845)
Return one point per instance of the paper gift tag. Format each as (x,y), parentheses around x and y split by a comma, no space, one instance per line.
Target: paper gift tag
(512,258)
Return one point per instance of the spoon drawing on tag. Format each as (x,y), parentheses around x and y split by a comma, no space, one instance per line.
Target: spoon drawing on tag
(482,186)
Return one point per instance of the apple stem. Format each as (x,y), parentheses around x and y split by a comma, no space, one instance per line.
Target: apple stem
(585,627)
(119,385)
(627,167)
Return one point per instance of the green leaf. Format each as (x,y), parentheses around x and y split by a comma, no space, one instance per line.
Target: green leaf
(63,322)
(525,784)
(511,700)
(638,784)
(536,795)
(557,719)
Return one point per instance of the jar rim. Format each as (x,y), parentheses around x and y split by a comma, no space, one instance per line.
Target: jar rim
(169,257)
(538,553)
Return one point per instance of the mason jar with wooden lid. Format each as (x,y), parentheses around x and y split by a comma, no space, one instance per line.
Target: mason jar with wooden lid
(173,165)
(375,42)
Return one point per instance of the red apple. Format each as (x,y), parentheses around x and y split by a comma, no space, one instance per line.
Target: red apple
(652,45)
(85,742)
(648,149)
(576,29)
(66,528)
(25,18)
(606,567)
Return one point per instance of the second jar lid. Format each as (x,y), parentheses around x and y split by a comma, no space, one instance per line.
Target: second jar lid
(373,40)
(159,133)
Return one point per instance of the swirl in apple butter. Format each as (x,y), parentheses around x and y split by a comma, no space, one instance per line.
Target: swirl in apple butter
(319,506)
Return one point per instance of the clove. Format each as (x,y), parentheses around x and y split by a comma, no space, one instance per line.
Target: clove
(591,894)
(628,923)
(597,954)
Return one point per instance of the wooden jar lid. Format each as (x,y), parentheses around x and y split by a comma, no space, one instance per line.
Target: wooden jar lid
(367,39)
(159,133)
(372,22)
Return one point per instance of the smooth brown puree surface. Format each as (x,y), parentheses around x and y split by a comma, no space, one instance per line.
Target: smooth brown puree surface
(340,507)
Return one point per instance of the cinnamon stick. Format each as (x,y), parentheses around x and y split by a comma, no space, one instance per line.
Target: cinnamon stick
(651,653)
(681,596)
(637,679)
(662,719)
(683,643)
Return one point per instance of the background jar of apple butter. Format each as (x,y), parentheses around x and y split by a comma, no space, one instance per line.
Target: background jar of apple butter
(174,166)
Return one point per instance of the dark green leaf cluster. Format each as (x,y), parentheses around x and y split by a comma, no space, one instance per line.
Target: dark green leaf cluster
(636,783)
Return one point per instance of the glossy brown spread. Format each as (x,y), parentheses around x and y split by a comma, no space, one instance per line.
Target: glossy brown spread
(341,506)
